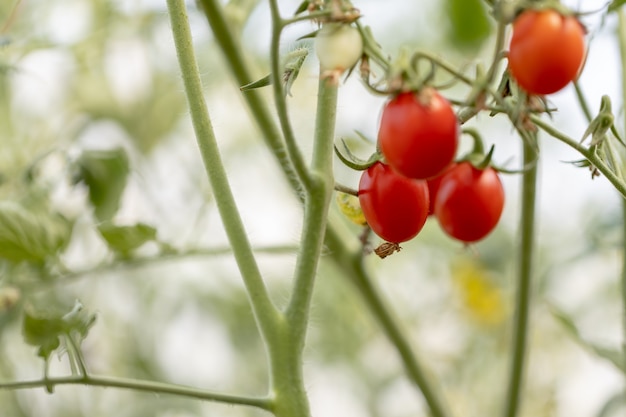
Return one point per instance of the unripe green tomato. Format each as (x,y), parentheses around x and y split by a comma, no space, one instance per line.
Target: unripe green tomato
(338,46)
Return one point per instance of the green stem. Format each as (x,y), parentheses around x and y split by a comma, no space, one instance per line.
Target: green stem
(524,275)
(279,98)
(264,311)
(286,354)
(233,53)
(316,207)
(595,160)
(144,386)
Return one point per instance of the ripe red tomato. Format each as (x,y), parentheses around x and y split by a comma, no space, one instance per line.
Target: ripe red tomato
(547,50)
(394,206)
(433,188)
(469,202)
(418,133)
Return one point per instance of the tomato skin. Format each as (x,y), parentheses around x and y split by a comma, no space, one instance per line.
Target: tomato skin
(433,188)
(394,206)
(547,50)
(418,133)
(469,202)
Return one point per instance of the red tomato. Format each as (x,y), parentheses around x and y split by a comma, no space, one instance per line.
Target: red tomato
(547,50)
(433,188)
(469,202)
(418,133)
(394,206)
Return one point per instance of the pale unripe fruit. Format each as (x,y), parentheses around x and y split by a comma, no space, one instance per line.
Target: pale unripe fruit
(338,46)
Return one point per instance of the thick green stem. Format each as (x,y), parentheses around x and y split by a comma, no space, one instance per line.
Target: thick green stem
(144,386)
(524,279)
(263,308)
(286,356)
(316,208)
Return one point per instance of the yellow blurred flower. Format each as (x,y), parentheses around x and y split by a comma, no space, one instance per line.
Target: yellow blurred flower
(481,297)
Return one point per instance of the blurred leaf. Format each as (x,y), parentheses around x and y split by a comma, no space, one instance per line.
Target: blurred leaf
(238,12)
(31,235)
(612,355)
(104,172)
(44,328)
(615,406)
(125,239)
(616,5)
(303,7)
(469,25)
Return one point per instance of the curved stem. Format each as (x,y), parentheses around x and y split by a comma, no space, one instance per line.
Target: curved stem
(258,107)
(587,153)
(349,259)
(139,385)
(264,311)
(276,73)
(524,275)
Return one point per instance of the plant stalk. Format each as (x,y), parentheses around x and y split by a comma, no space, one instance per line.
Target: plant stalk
(264,310)
(524,278)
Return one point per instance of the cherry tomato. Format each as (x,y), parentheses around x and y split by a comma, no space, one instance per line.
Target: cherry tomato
(469,202)
(418,133)
(433,188)
(338,46)
(395,207)
(547,50)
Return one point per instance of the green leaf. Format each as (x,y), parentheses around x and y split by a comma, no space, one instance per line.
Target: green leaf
(469,25)
(303,7)
(263,82)
(616,5)
(104,172)
(31,235)
(614,356)
(44,328)
(125,239)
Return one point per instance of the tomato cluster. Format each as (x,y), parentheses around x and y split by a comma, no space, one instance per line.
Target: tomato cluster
(418,138)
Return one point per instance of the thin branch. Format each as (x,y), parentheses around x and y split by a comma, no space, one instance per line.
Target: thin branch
(140,385)
(589,154)
(280,102)
(233,52)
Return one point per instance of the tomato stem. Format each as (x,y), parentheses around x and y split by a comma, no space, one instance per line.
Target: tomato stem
(524,279)
(233,52)
(265,313)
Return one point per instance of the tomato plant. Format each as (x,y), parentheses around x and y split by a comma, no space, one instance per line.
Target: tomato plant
(418,133)
(394,206)
(547,50)
(469,202)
